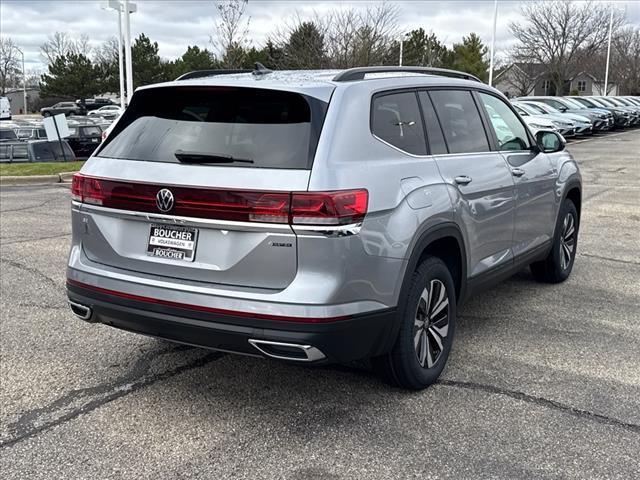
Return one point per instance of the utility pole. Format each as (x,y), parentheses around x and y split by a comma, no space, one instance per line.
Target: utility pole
(401,45)
(606,72)
(493,41)
(24,83)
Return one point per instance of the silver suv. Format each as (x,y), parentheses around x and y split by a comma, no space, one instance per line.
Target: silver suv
(317,216)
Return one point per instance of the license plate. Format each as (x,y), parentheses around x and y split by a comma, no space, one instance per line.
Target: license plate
(172,242)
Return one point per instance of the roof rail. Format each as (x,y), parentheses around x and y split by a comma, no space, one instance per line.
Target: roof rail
(359,73)
(211,73)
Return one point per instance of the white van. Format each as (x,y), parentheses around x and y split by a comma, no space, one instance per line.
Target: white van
(5,109)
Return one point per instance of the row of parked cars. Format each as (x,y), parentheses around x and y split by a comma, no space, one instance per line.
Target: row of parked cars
(92,107)
(576,116)
(26,140)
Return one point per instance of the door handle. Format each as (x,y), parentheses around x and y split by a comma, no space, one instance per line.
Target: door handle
(462,180)
(517,172)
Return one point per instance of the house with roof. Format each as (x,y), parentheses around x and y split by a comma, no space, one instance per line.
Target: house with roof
(531,79)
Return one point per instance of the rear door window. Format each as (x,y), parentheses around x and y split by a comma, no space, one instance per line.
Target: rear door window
(460,121)
(437,145)
(245,127)
(395,118)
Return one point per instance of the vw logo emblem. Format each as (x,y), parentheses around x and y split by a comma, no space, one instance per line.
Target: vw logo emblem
(164,200)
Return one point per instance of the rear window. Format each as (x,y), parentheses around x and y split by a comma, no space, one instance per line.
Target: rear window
(92,131)
(7,135)
(260,128)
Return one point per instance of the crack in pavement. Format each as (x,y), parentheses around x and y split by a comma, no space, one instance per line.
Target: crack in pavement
(30,207)
(37,239)
(543,402)
(39,420)
(35,271)
(600,257)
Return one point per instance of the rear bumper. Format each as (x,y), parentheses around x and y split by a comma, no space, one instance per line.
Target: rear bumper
(343,340)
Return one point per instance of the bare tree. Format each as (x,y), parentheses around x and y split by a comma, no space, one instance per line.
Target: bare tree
(560,34)
(231,32)
(61,43)
(523,73)
(9,65)
(356,38)
(626,60)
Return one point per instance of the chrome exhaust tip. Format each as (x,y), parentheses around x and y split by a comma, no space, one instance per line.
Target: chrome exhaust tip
(288,351)
(81,311)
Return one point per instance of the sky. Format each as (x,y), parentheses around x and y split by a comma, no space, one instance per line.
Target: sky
(174,24)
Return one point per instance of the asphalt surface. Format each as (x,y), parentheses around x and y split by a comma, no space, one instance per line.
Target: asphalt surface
(543,380)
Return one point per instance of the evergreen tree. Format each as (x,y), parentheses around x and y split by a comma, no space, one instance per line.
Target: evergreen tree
(470,57)
(70,76)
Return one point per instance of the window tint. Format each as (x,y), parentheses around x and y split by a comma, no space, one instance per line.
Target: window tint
(270,128)
(396,120)
(91,131)
(460,121)
(511,133)
(437,144)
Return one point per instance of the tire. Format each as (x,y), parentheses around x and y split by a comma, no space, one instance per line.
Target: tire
(420,351)
(557,267)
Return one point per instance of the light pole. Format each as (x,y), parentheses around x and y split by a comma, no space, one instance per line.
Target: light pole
(402,47)
(128,9)
(24,82)
(493,41)
(606,71)
(116,5)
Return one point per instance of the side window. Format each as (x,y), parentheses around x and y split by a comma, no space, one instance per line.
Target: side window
(396,120)
(511,133)
(556,104)
(435,137)
(460,121)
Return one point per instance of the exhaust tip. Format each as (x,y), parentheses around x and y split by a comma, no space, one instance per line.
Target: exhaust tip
(81,311)
(288,351)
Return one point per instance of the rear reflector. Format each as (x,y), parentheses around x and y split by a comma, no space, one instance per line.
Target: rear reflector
(305,208)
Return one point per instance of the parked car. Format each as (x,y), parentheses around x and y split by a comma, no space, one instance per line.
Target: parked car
(95,103)
(35,151)
(84,139)
(565,124)
(317,217)
(617,117)
(633,110)
(536,121)
(108,111)
(560,105)
(68,108)
(31,133)
(5,109)
(7,134)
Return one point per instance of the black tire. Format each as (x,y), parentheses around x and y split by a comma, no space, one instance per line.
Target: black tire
(557,266)
(402,366)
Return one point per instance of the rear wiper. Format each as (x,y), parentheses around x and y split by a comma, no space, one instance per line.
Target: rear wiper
(198,157)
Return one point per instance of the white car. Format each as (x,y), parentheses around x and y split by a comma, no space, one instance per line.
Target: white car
(535,122)
(5,109)
(107,110)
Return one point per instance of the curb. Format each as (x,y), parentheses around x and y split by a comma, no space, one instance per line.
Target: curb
(64,177)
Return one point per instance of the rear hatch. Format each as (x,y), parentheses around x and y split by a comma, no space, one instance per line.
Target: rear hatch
(195,183)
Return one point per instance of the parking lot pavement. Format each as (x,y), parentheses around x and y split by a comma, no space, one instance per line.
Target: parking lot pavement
(543,380)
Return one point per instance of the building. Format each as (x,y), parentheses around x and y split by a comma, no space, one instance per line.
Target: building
(530,79)
(16,99)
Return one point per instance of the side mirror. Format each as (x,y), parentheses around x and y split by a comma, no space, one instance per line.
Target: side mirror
(549,141)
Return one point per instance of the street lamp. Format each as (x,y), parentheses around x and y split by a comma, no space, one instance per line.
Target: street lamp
(128,8)
(24,82)
(402,37)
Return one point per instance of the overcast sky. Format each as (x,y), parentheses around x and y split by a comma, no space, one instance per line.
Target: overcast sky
(174,24)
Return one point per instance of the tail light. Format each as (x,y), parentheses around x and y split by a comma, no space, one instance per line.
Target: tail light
(305,208)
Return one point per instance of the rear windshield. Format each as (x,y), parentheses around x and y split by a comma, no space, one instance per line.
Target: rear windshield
(255,127)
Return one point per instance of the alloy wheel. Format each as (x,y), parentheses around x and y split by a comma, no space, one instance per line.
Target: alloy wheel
(431,324)
(567,241)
